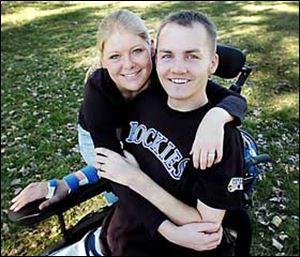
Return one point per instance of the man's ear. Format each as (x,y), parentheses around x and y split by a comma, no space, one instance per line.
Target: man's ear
(214,63)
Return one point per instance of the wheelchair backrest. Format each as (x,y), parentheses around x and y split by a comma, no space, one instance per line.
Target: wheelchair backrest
(231,61)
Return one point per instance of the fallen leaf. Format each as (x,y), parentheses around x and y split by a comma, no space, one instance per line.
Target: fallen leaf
(283,237)
(4,229)
(276,244)
(24,171)
(280,254)
(271,229)
(278,199)
(263,247)
(282,206)
(261,220)
(276,221)
(17,190)
(16,181)
(295,217)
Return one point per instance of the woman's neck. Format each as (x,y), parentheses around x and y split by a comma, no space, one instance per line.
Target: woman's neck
(129,95)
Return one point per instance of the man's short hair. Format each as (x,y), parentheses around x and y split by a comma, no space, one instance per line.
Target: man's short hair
(187,18)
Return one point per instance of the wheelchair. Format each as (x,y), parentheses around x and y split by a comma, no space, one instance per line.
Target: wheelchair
(239,233)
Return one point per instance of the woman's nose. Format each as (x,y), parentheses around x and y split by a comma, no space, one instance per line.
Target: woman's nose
(128,63)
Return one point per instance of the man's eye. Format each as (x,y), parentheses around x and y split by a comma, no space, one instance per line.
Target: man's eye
(137,51)
(193,56)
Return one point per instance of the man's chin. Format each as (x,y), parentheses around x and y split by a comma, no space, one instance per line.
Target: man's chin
(176,95)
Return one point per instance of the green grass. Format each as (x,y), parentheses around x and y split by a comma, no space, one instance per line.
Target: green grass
(46,48)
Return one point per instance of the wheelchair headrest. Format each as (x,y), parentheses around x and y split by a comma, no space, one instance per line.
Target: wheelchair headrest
(231,61)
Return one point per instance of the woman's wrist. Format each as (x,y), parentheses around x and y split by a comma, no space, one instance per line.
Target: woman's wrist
(79,175)
(169,231)
(135,179)
(64,186)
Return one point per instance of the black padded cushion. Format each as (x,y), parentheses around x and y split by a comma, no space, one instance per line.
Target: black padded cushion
(231,61)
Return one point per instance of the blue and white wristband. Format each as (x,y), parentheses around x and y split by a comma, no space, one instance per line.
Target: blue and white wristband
(91,175)
(52,185)
(72,182)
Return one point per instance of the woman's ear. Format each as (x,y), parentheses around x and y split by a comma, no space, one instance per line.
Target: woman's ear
(103,64)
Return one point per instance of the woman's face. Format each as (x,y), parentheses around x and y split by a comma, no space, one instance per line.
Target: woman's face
(127,57)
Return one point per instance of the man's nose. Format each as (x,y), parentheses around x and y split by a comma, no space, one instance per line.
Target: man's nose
(179,66)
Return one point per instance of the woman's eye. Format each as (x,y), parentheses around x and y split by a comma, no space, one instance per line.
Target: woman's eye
(114,57)
(166,56)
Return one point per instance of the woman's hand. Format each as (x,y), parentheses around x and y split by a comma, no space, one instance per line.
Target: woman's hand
(199,236)
(36,191)
(115,167)
(207,148)
(202,236)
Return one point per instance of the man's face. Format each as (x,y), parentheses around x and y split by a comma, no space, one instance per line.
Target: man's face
(184,62)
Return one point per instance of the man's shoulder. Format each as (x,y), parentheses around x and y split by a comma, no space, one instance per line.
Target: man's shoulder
(148,96)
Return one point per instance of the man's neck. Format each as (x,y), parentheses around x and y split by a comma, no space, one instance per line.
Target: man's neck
(186,105)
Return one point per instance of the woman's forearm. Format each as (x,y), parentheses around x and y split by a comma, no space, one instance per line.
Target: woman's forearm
(177,211)
(201,236)
(126,171)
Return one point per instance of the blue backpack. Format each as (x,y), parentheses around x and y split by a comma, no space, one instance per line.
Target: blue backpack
(251,159)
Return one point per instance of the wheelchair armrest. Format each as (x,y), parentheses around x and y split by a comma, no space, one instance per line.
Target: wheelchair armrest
(31,214)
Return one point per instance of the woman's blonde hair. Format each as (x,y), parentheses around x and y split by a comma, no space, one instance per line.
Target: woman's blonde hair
(118,20)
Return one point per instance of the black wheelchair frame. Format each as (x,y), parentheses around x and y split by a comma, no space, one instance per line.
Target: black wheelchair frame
(231,66)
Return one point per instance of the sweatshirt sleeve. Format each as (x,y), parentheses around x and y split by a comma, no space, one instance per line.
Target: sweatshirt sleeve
(100,115)
(232,102)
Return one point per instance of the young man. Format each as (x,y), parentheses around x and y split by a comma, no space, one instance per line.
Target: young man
(160,135)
